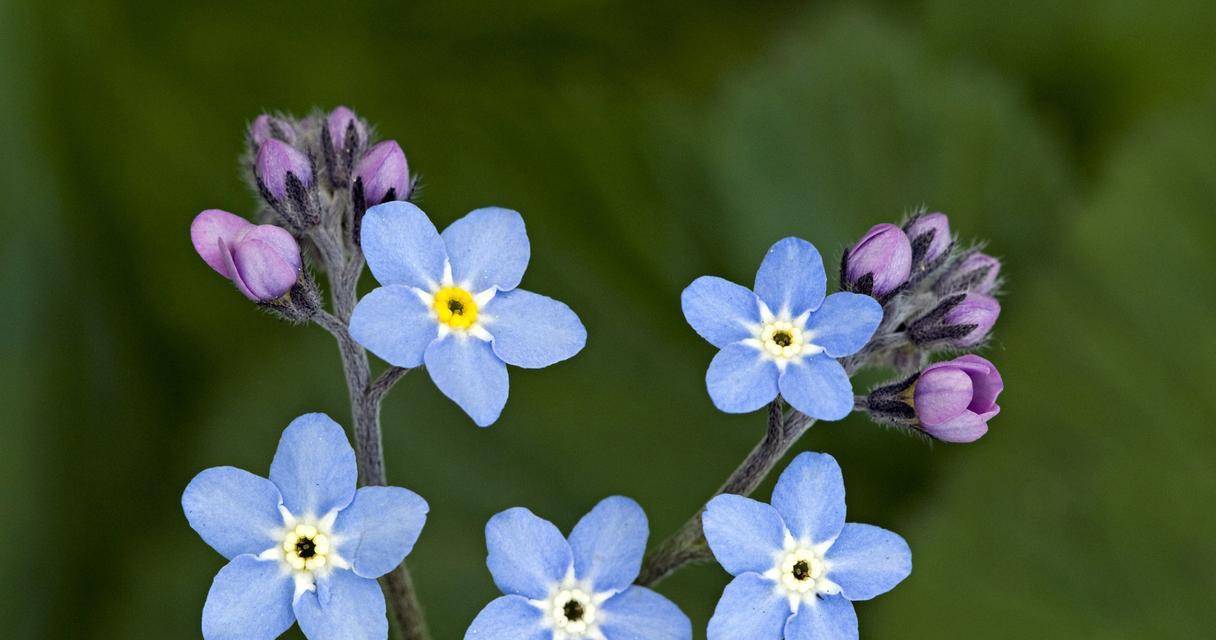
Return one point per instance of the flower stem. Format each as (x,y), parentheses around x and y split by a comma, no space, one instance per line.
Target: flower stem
(687,545)
(365,399)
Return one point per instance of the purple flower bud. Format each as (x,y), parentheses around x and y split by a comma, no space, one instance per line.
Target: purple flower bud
(880,262)
(978,310)
(267,127)
(337,124)
(977,272)
(954,400)
(930,237)
(276,160)
(263,261)
(384,173)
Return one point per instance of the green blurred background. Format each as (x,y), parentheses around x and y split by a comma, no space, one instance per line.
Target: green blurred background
(646,143)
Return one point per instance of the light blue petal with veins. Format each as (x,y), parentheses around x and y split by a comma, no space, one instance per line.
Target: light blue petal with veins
(810,497)
(826,618)
(232,510)
(740,379)
(402,246)
(719,310)
(744,534)
(867,561)
(250,599)
(844,324)
(508,618)
(314,466)
(608,544)
(641,614)
(354,609)
(393,323)
(791,277)
(819,387)
(466,370)
(751,607)
(533,331)
(380,528)
(488,248)
(527,554)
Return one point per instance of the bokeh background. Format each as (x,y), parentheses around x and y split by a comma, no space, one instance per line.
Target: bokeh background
(646,143)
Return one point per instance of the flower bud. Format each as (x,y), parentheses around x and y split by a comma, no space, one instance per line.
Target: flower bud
(276,163)
(338,124)
(960,321)
(263,261)
(977,272)
(930,238)
(384,174)
(879,263)
(976,310)
(267,127)
(955,399)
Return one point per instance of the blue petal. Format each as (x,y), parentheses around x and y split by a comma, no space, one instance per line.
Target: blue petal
(819,387)
(533,331)
(745,535)
(232,510)
(792,278)
(314,467)
(740,379)
(380,528)
(508,618)
(867,561)
(608,544)
(641,614)
(826,618)
(393,323)
(845,323)
(527,553)
(488,248)
(402,246)
(751,607)
(810,497)
(250,599)
(466,370)
(719,310)
(354,609)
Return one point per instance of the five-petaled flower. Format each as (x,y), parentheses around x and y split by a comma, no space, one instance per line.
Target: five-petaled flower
(450,301)
(782,338)
(797,565)
(304,545)
(576,589)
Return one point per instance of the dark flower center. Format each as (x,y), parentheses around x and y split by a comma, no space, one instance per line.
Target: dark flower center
(305,548)
(573,610)
(783,338)
(802,570)
(455,306)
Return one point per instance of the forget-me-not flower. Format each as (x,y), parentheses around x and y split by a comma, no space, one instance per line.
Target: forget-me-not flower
(576,589)
(450,301)
(783,336)
(304,545)
(797,565)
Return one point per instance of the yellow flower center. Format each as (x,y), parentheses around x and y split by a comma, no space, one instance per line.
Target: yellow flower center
(305,548)
(455,307)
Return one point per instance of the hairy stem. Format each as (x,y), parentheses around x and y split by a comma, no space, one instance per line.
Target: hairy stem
(687,545)
(365,399)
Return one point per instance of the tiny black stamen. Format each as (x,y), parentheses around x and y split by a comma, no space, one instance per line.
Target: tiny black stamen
(573,610)
(802,570)
(783,338)
(456,306)
(305,548)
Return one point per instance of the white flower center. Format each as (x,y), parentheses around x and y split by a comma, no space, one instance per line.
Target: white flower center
(800,571)
(782,338)
(572,610)
(308,548)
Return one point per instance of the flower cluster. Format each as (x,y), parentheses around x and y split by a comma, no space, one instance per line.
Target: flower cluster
(306,547)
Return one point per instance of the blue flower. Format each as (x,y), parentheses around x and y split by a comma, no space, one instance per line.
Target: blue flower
(450,301)
(576,589)
(304,545)
(783,337)
(797,565)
